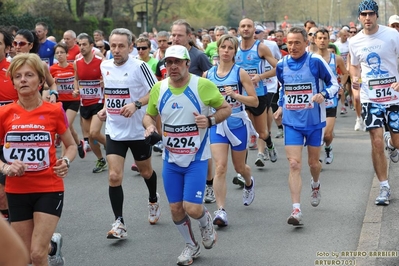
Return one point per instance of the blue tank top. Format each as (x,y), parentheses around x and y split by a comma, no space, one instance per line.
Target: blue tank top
(231,79)
(46,52)
(299,87)
(332,103)
(250,61)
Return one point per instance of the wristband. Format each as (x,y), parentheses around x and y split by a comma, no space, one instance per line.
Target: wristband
(55,93)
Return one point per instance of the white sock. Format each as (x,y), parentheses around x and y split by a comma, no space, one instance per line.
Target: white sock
(296,206)
(384,184)
(315,184)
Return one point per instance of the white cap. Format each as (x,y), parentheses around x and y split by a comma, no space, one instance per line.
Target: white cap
(177,51)
(345,28)
(393,19)
(333,37)
(260,27)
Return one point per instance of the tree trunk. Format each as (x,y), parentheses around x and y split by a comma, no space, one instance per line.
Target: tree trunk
(107,9)
(80,8)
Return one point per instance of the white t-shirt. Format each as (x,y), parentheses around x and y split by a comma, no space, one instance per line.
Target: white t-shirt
(343,48)
(123,85)
(377,56)
(271,83)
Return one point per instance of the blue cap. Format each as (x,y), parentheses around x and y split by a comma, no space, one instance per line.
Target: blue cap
(368,5)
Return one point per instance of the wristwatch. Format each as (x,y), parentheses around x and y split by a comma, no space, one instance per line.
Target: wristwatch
(67,161)
(211,121)
(138,104)
(324,94)
(55,93)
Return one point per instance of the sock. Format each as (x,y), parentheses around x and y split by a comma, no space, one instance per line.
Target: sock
(86,140)
(315,184)
(152,187)
(53,248)
(269,142)
(384,184)
(203,220)
(249,187)
(280,127)
(116,198)
(184,227)
(209,183)
(390,145)
(296,206)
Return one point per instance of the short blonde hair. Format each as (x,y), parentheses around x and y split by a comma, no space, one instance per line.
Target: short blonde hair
(32,60)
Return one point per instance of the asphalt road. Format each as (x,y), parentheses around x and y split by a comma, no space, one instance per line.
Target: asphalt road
(256,235)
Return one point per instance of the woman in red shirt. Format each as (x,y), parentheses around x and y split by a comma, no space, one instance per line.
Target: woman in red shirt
(34,187)
(64,76)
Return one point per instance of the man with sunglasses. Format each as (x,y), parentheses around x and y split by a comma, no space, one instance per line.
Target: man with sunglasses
(312,47)
(183,102)
(373,68)
(343,45)
(143,46)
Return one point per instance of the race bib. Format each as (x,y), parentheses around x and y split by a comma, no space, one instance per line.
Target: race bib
(181,139)
(90,89)
(380,90)
(233,102)
(115,99)
(32,148)
(298,96)
(65,85)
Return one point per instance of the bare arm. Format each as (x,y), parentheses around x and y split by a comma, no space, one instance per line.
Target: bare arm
(265,53)
(251,99)
(342,68)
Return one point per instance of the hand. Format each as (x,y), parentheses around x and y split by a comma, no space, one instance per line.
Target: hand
(395,86)
(229,91)
(356,83)
(149,130)
(53,98)
(17,168)
(279,113)
(75,93)
(128,110)
(61,168)
(201,120)
(318,98)
(102,115)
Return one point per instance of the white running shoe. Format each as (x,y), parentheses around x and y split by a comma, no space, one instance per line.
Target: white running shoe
(295,217)
(188,254)
(154,211)
(383,197)
(209,195)
(220,218)
(259,162)
(360,126)
(329,157)
(315,196)
(280,134)
(393,153)
(57,259)
(208,233)
(248,195)
(118,230)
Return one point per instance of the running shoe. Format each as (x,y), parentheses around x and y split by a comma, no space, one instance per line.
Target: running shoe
(87,146)
(393,153)
(272,154)
(81,149)
(209,195)
(329,157)
(315,196)
(220,218)
(239,180)
(280,134)
(57,259)
(158,147)
(383,197)
(134,168)
(248,195)
(101,165)
(259,162)
(208,233)
(118,230)
(343,111)
(188,254)
(154,211)
(359,126)
(295,217)
(252,144)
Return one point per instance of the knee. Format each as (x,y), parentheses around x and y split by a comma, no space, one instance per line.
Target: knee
(263,135)
(294,165)
(146,172)
(193,210)
(220,169)
(115,178)
(378,144)
(240,168)
(314,164)
(93,134)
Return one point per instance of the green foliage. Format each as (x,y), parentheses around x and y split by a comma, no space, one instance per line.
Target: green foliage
(106,25)
(24,21)
(8,7)
(89,24)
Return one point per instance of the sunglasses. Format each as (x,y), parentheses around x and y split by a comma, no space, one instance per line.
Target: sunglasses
(142,48)
(100,47)
(169,43)
(258,31)
(352,31)
(311,34)
(20,44)
(364,14)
